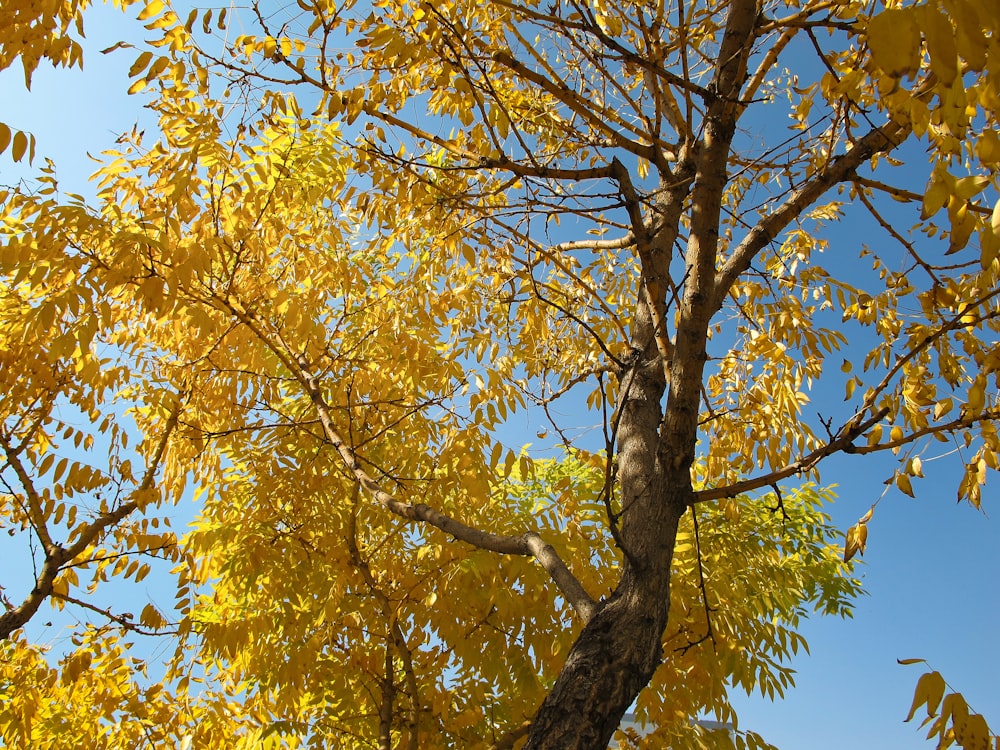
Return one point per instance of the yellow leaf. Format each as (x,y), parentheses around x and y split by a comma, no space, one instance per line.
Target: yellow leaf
(508,464)
(967,187)
(936,197)
(46,463)
(151,617)
(609,24)
(970,40)
(903,483)
(973,733)
(940,43)
(942,407)
(988,147)
(857,539)
(20,146)
(5,135)
(60,587)
(152,9)
(140,63)
(929,691)
(977,396)
(525,466)
(894,41)
(159,65)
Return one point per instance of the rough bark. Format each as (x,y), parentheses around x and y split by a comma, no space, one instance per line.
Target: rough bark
(620,647)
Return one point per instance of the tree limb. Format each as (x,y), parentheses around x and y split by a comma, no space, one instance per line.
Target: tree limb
(989,415)
(841,443)
(879,140)
(616,244)
(598,119)
(528,544)
(124,620)
(56,556)
(481,161)
(34,501)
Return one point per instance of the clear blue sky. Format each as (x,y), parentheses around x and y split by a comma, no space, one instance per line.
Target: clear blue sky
(932,570)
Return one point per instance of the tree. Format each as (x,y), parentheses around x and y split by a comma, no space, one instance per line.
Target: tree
(493,207)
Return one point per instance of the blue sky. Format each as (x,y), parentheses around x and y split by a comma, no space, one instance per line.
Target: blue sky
(931,575)
(932,569)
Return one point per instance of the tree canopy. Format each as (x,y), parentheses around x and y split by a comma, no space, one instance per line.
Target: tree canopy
(364,241)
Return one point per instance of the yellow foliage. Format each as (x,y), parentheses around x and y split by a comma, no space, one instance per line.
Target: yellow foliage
(362,251)
(950,719)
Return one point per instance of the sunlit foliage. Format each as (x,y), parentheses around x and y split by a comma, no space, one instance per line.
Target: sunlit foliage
(362,245)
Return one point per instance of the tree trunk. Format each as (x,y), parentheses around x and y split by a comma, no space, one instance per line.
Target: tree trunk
(620,648)
(615,656)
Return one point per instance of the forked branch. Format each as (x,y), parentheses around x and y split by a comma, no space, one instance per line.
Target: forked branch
(840,169)
(57,557)
(528,544)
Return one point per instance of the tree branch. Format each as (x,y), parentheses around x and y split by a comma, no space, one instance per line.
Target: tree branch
(616,244)
(773,52)
(34,501)
(951,325)
(654,269)
(139,494)
(387,697)
(840,169)
(680,422)
(891,230)
(841,443)
(56,556)
(480,161)
(598,119)
(124,620)
(528,544)
(989,415)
